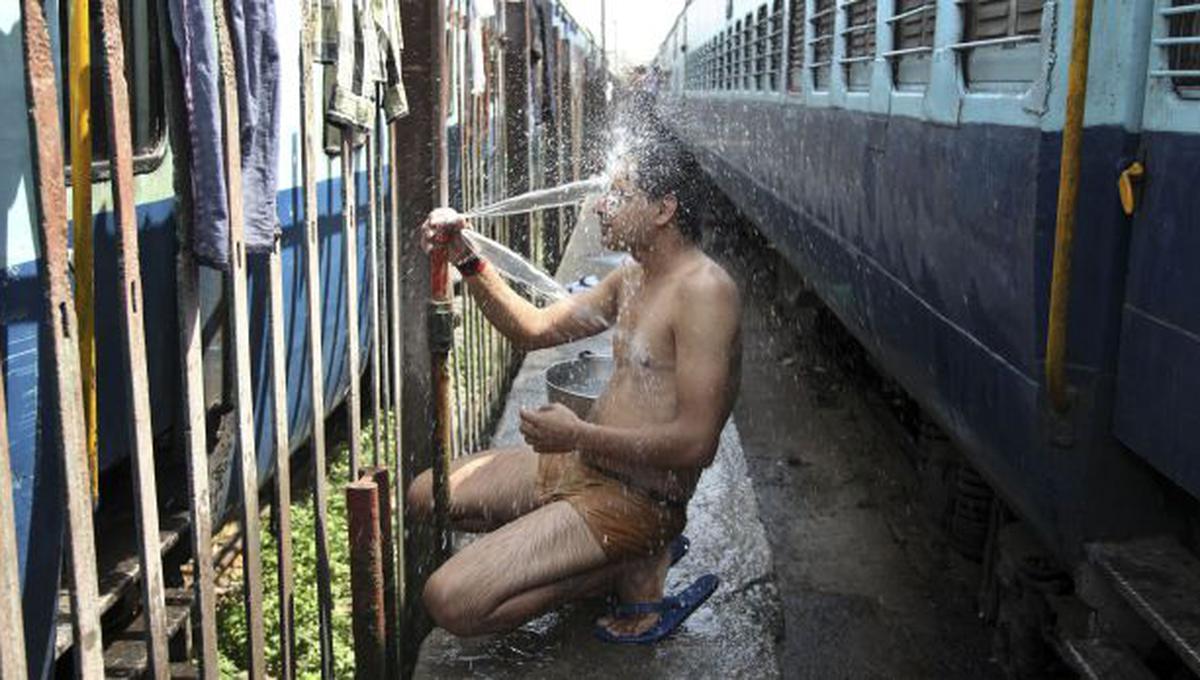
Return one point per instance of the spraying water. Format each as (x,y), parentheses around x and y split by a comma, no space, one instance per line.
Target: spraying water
(542,199)
(516,268)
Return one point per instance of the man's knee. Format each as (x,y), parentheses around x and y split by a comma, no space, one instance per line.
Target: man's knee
(453,604)
(419,497)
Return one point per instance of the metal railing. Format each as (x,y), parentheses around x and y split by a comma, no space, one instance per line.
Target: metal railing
(182,587)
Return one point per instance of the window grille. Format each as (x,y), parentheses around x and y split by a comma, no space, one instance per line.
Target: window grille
(735,81)
(796,46)
(731,37)
(1000,42)
(999,19)
(748,41)
(859,41)
(1182,47)
(775,47)
(760,49)
(912,31)
(821,30)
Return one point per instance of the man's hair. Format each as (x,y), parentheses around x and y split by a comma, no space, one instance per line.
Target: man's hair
(662,165)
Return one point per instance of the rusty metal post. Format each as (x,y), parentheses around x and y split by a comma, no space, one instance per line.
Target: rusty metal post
(387,547)
(366,579)
(441,334)
(316,362)
(422,24)
(133,341)
(240,324)
(65,425)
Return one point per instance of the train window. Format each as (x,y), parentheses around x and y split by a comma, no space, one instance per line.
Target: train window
(139,29)
(796,47)
(1000,43)
(1182,46)
(912,40)
(730,59)
(748,42)
(735,82)
(821,30)
(775,47)
(859,37)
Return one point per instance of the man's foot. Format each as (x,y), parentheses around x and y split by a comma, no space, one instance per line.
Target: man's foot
(649,622)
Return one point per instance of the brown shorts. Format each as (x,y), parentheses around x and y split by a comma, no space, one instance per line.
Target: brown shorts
(626,521)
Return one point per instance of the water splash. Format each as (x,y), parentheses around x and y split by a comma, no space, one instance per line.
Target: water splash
(542,199)
(517,269)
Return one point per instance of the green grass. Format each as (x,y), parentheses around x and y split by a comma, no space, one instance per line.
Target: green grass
(231,612)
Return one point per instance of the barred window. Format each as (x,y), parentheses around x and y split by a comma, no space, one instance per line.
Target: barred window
(912,31)
(796,46)
(748,41)
(1182,47)
(821,30)
(859,37)
(735,52)
(775,47)
(730,59)
(1000,43)
(147,110)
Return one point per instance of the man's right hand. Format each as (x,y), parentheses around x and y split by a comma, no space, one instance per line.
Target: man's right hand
(443,229)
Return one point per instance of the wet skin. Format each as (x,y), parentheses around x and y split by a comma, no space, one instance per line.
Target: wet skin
(676,348)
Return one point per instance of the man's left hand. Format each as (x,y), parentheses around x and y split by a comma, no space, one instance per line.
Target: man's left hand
(552,428)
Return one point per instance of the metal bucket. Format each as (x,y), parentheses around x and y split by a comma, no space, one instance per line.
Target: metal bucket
(578,383)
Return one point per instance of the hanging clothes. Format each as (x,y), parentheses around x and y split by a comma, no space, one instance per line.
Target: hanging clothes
(193,28)
(391,41)
(369,43)
(256,56)
(257,51)
(482,10)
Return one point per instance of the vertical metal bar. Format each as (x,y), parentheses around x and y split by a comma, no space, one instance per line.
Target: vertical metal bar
(440,294)
(373,291)
(316,361)
(12,634)
(197,453)
(350,279)
(239,320)
(387,550)
(81,204)
(65,426)
(133,340)
(397,368)
(366,579)
(283,474)
(1068,198)
(384,283)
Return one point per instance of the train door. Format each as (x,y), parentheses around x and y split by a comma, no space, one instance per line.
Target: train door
(1158,377)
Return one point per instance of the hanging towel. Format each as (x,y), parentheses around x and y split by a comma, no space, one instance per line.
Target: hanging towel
(352,105)
(391,40)
(476,48)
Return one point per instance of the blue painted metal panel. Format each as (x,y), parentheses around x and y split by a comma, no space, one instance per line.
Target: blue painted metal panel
(1158,385)
(933,244)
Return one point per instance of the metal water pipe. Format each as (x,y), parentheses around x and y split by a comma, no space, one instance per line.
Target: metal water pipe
(1068,199)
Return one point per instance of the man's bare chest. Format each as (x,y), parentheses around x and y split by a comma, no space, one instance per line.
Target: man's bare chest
(643,337)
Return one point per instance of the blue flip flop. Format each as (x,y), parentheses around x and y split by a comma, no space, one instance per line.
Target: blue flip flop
(672,610)
(679,547)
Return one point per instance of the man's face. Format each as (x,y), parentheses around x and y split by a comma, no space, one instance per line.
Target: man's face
(627,214)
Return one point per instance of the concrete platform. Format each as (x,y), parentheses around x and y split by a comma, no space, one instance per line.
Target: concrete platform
(733,635)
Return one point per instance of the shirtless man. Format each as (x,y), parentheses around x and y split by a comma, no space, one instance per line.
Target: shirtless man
(589,506)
